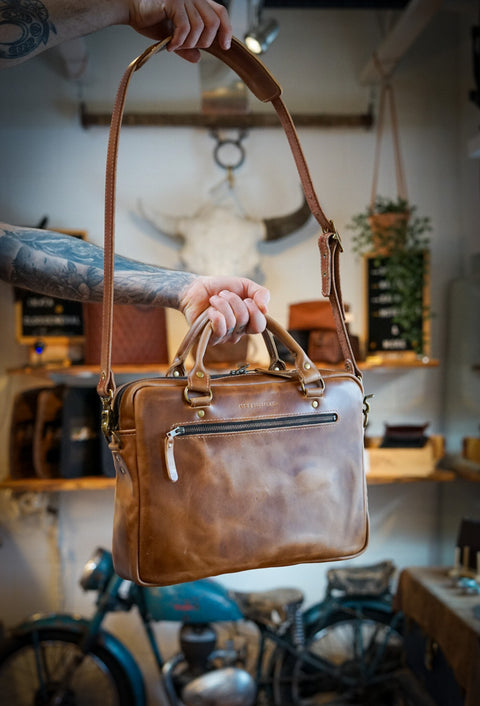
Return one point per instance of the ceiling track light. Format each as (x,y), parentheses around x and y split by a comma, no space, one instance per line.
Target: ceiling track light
(261,32)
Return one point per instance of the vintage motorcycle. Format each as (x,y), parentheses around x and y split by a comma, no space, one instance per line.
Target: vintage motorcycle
(347,646)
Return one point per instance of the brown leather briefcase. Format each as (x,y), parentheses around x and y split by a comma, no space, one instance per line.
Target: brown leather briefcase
(241,470)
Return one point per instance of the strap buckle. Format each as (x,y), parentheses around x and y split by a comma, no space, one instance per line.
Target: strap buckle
(106,415)
(336,236)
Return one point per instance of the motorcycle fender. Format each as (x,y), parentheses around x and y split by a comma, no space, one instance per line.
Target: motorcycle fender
(108,641)
(320,612)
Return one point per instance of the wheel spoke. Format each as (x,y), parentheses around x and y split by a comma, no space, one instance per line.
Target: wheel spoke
(41,666)
(359,653)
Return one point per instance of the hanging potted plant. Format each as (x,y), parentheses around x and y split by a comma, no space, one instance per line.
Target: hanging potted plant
(392,232)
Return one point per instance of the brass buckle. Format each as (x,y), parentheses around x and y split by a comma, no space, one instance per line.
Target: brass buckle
(336,236)
(366,409)
(106,416)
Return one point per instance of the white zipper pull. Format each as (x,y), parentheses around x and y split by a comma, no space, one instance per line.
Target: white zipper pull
(169,453)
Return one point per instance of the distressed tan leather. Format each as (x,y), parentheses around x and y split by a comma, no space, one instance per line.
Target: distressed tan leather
(222,473)
(243,499)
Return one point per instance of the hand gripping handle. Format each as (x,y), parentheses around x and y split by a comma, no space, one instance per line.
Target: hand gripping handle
(199,392)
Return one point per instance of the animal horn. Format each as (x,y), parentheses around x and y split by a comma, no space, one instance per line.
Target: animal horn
(281,226)
(166,225)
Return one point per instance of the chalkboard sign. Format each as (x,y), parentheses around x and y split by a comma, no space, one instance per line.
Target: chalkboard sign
(40,317)
(383,334)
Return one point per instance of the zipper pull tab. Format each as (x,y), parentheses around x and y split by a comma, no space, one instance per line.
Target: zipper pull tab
(169,453)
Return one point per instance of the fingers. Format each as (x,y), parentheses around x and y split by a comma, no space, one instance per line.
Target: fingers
(236,305)
(232,316)
(196,24)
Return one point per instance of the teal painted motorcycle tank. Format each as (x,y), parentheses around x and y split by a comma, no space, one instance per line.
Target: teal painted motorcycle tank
(201,601)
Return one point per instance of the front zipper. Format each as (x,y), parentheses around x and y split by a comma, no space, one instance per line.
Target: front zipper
(230,427)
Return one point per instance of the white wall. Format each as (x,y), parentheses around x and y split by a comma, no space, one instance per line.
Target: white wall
(51,166)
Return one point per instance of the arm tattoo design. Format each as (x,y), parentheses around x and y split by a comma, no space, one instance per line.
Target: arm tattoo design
(70,268)
(28,23)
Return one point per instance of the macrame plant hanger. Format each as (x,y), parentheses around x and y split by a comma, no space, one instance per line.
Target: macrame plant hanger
(387,101)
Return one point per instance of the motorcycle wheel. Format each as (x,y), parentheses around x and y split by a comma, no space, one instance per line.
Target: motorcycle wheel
(362,654)
(32,666)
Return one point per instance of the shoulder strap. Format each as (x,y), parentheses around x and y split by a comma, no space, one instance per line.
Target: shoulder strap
(264,86)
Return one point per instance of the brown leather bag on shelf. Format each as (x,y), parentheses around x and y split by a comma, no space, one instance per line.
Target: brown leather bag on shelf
(311,315)
(323,346)
(48,432)
(35,433)
(22,431)
(240,470)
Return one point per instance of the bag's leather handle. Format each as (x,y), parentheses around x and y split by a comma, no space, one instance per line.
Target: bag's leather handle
(177,367)
(198,390)
(264,86)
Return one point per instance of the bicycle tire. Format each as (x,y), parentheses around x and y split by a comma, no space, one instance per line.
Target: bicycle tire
(100,679)
(360,672)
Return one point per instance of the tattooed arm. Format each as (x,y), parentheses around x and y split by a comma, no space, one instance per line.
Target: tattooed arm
(69,268)
(28,27)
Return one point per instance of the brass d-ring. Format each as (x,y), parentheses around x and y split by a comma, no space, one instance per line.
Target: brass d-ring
(197,401)
(313,392)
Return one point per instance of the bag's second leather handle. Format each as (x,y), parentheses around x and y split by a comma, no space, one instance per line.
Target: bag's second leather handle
(260,81)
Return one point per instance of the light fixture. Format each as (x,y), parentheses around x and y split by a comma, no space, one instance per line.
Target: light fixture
(261,33)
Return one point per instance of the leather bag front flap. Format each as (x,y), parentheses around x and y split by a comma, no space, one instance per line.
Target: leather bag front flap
(244,498)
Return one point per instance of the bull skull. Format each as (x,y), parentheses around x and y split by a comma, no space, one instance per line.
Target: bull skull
(218,240)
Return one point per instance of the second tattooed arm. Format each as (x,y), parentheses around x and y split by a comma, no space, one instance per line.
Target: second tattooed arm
(31,26)
(69,268)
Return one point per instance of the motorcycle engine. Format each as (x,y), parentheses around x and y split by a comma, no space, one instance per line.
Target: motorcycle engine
(197,643)
(204,676)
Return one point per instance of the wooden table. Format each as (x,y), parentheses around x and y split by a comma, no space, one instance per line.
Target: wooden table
(429,597)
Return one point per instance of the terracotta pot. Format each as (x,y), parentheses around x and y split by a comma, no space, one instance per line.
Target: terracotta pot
(389,231)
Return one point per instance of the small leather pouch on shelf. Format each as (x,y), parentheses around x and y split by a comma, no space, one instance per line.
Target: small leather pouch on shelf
(404,436)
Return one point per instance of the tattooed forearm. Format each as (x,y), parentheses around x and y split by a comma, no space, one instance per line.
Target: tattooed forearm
(24,26)
(70,268)
(27,27)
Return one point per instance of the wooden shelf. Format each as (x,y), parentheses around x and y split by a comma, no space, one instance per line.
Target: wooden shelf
(406,465)
(371,363)
(380,472)
(436,476)
(52,485)
(48,485)
(380,362)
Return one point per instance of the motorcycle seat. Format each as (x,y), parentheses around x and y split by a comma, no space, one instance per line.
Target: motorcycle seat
(371,580)
(269,607)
